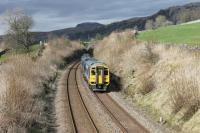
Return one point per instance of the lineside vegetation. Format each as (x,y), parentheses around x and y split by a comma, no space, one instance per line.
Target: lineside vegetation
(162,78)
(26,83)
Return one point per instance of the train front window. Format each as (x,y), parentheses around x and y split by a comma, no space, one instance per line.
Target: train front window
(105,72)
(93,72)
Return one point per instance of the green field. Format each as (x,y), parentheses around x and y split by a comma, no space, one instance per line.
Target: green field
(177,34)
(34,49)
(3,58)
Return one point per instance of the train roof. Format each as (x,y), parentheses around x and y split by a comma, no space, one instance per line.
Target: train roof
(87,59)
(85,56)
(94,62)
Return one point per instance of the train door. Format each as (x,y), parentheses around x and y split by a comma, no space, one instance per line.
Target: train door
(100,76)
(106,76)
(93,76)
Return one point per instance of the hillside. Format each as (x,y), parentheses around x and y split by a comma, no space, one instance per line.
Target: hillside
(175,14)
(85,31)
(69,32)
(178,34)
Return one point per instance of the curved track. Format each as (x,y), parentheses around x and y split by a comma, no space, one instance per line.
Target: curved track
(80,115)
(81,118)
(119,115)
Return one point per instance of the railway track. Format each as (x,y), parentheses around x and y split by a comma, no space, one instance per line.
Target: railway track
(82,117)
(119,115)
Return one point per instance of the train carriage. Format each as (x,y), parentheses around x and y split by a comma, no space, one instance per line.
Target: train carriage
(96,73)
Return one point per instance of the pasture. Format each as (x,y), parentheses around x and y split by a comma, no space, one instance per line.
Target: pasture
(176,34)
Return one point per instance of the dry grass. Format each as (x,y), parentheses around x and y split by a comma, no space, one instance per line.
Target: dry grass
(146,68)
(22,86)
(58,49)
(128,58)
(184,89)
(113,46)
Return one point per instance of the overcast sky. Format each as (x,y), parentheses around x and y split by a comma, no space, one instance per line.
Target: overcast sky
(57,14)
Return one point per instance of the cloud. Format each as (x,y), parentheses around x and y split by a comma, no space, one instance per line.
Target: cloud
(57,14)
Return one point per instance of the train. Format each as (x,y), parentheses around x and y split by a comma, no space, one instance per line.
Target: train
(96,73)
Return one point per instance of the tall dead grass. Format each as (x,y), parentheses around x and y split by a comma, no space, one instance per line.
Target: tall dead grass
(22,86)
(112,47)
(128,58)
(145,68)
(184,89)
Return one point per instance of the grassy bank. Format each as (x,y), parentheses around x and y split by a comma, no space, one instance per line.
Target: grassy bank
(34,51)
(163,79)
(3,58)
(24,85)
(178,34)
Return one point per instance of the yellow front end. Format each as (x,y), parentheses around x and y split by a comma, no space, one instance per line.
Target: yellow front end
(99,75)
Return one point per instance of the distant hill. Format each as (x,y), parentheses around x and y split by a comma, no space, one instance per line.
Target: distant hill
(79,28)
(68,32)
(176,15)
(85,31)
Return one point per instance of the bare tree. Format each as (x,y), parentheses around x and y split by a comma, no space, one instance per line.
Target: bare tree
(160,21)
(149,25)
(19,24)
(183,17)
(188,15)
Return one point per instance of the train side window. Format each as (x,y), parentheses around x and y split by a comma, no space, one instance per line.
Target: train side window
(105,72)
(84,67)
(93,72)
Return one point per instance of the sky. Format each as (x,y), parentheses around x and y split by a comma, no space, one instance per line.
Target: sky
(58,14)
